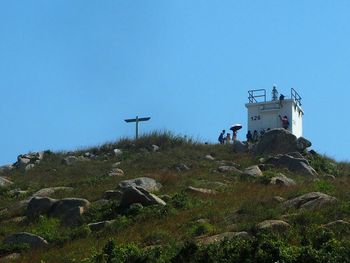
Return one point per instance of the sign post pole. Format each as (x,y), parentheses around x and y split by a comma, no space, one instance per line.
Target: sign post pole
(137,120)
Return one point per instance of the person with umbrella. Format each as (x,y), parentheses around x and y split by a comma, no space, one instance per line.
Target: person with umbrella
(234,129)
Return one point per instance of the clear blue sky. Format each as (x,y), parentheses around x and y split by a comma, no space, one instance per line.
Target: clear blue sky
(71,71)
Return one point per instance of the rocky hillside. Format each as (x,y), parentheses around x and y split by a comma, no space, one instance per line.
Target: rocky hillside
(166,198)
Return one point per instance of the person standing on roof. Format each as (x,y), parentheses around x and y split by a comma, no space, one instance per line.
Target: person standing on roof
(281,100)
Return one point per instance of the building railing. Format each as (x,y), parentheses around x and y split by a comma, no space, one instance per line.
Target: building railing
(295,96)
(255,95)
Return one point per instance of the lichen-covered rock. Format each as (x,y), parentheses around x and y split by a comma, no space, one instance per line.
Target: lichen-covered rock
(39,206)
(252,171)
(280,141)
(297,165)
(61,207)
(311,201)
(132,195)
(149,184)
(282,180)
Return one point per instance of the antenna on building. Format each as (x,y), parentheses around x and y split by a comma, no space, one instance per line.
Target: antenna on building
(274,93)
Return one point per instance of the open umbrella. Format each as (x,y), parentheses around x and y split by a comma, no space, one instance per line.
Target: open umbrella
(236,127)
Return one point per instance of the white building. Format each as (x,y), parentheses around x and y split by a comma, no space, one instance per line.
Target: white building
(264,115)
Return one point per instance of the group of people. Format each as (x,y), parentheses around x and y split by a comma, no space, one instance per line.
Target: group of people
(255,136)
(226,139)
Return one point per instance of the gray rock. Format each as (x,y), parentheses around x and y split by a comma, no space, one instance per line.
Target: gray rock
(39,206)
(132,195)
(63,206)
(47,192)
(17,192)
(181,167)
(200,190)
(273,225)
(117,152)
(311,201)
(229,169)
(220,237)
(240,147)
(209,157)
(252,171)
(149,184)
(22,161)
(297,165)
(116,172)
(73,217)
(282,180)
(5,182)
(155,148)
(302,144)
(32,240)
(29,167)
(279,141)
(113,195)
(100,225)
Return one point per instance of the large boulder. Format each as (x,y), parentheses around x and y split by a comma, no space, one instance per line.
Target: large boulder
(282,180)
(149,184)
(280,141)
(5,182)
(310,201)
(297,165)
(39,206)
(32,240)
(252,172)
(46,192)
(240,147)
(73,216)
(63,206)
(132,195)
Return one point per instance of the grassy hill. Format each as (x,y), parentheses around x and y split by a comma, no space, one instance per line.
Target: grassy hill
(177,232)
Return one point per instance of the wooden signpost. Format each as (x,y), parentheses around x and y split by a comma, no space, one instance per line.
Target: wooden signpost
(137,120)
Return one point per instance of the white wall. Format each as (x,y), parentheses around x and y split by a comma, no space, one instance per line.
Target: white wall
(264,115)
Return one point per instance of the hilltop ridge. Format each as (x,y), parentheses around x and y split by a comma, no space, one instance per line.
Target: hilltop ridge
(167,198)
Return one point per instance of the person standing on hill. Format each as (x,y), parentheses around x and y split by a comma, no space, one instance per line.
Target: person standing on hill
(221,137)
(228,138)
